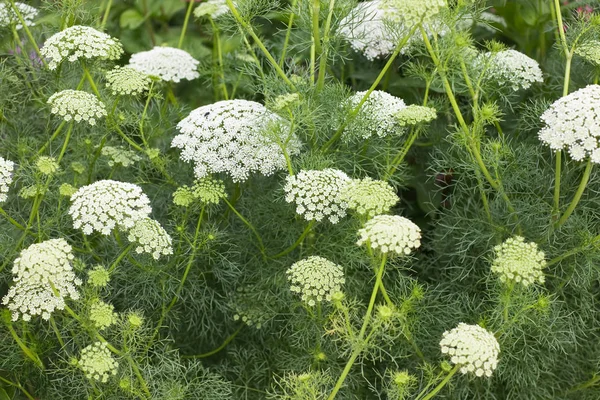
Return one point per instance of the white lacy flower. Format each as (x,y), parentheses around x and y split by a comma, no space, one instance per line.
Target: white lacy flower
(106,205)
(120,156)
(8,16)
(520,262)
(315,279)
(471,347)
(127,81)
(369,197)
(78,42)
(102,314)
(230,136)
(573,122)
(76,105)
(208,190)
(412,12)
(167,63)
(43,279)
(212,8)
(390,233)
(376,116)
(318,194)
(97,363)
(6,170)
(510,67)
(151,238)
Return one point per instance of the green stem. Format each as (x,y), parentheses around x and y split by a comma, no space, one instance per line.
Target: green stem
(90,80)
(65,143)
(54,135)
(28,32)
(443,383)
(32,355)
(57,332)
(217,44)
(506,301)
(361,335)
(288,33)
(297,242)
(316,35)
(326,38)
(221,347)
(260,44)
(106,12)
(582,185)
(120,257)
(11,220)
(144,114)
(18,386)
(250,226)
(185,23)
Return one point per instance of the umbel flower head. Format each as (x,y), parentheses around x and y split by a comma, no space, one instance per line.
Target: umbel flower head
(8,16)
(97,363)
(120,156)
(369,197)
(212,8)
(414,114)
(412,12)
(471,347)
(151,238)
(510,67)
(43,279)
(376,116)
(315,279)
(79,42)
(98,276)
(76,105)
(167,63)
(6,170)
(47,165)
(105,205)
(520,262)
(318,194)
(230,136)
(390,234)
(127,81)
(102,314)
(589,51)
(573,123)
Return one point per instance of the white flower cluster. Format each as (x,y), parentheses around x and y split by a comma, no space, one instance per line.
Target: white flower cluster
(209,190)
(412,12)
(369,197)
(102,314)
(517,261)
(105,205)
(43,279)
(512,68)
(573,122)
(212,8)
(77,105)
(315,279)
(318,194)
(6,170)
(230,136)
(376,116)
(78,42)
(167,63)
(471,347)
(414,114)
(390,233)
(151,238)
(589,51)
(120,155)
(127,81)
(8,16)
(97,363)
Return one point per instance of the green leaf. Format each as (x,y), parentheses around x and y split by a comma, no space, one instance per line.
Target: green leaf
(131,19)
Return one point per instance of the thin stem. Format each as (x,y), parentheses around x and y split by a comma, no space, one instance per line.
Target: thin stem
(56,331)
(90,80)
(11,220)
(54,135)
(65,143)
(144,114)
(288,33)
(316,35)
(217,44)
(260,44)
(297,242)
(363,329)
(32,355)
(582,185)
(221,347)
(120,257)
(185,23)
(443,383)
(326,38)
(506,300)
(28,32)
(18,386)
(106,12)
(382,73)
(250,226)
